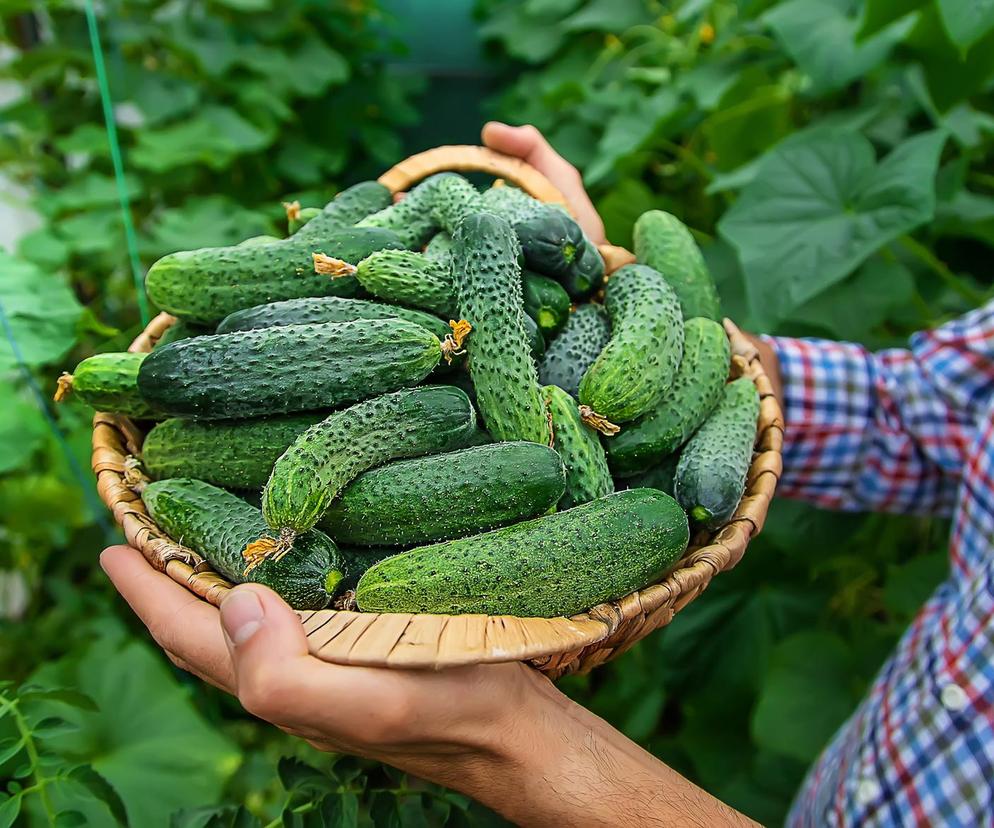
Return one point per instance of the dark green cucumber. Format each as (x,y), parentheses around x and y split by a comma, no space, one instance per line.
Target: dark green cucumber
(573,351)
(510,203)
(696,389)
(485,255)
(586,275)
(533,335)
(711,474)
(313,309)
(663,242)
(453,198)
(107,382)
(550,241)
(411,218)
(346,209)
(446,496)
(546,302)
(357,560)
(236,454)
(182,330)
(641,359)
(286,369)
(219,526)
(587,474)
(326,457)
(558,564)
(206,285)
(297,216)
(660,476)
(409,278)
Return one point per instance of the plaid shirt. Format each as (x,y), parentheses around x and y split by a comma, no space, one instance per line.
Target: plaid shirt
(907,431)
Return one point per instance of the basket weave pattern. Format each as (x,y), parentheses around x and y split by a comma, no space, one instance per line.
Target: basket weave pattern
(556,646)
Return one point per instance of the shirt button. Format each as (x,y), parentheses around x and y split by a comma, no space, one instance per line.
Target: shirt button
(867,791)
(954,698)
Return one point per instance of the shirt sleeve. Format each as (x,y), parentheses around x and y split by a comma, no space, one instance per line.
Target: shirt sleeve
(886,431)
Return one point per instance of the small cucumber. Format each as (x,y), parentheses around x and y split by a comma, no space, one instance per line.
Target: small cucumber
(286,369)
(642,357)
(546,302)
(236,454)
(573,351)
(696,390)
(711,474)
(445,496)
(550,241)
(220,526)
(107,382)
(412,217)
(558,564)
(346,209)
(326,457)
(587,474)
(663,242)
(510,203)
(485,255)
(408,278)
(453,198)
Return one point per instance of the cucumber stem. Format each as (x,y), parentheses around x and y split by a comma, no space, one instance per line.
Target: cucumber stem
(63,387)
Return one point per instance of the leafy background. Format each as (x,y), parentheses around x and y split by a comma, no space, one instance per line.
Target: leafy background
(832,157)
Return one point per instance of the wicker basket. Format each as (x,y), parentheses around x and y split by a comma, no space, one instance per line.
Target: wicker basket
(556,646)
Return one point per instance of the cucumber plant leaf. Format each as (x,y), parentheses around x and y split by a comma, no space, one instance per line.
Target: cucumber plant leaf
(966,21)
(819,206)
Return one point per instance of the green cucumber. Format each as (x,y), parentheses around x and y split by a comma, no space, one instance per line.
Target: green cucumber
(711,474)
(255,241)
(550,241)
(663,242)
(660,476)
(453,198)
(440,247)
(534,338)
(356,561)
(546,302)
(312,309)
(346,209)
(326,457)
(696,390)
(236,454)
(206,285)
(446,496)
(297,216)
(586,275)
(587,474)
(408,278)
(641,359)
(510,203)
(181,329)
(558,564)
(485,255)
(286,369)
(412,217)
(219,526)
(573,351)
(107,382)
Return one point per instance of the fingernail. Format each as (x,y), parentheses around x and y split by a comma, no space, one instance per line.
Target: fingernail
(241,615)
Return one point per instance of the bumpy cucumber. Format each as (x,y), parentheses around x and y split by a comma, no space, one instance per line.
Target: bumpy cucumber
(206,285)
(663,242)
(453,199)
(446,496)
(510,203)
(573,351)
(546,302)
(107,382)
(440,247)
(412,218)
(286,369)
(236,454)
(327,456)
(313,309)
(181,329)
(485,256)
(660,476)
(345,209)
(220,525)
(642,357)
(696,389)
(558,564)
(711,474)
(254,241)
(550,241)
(409,278)
(357,560)
(587,474)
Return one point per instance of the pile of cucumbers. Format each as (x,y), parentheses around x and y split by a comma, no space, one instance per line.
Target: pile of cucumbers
(436,405)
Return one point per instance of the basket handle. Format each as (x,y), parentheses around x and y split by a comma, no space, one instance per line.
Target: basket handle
(471,158)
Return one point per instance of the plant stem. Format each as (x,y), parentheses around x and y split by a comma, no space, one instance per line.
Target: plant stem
(32,750)
(940,269)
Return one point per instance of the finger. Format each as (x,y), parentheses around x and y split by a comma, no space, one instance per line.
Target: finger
(178,620)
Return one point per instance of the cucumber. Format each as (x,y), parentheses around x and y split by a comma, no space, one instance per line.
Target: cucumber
(587,474)
(510,203)
(586,275)
(696,390)
(439,249)
(286,369)
(326,457)
(313,309)
(659,477)
(408,278)
(453,198)
(254,241)
(220,525)
(356,561)
(558,564)
(345,209)
(663,242)
(573,351)
(412,217)
(534,338)
(639,362)
(711,474)
(206,285)
(297,216)
(107,382)
(181,330)
(446,496)
(546,302)
(236,454)
(508,395)
(550,241)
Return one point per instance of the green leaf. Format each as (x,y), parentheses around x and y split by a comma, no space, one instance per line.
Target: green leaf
(9,748)
(44,248)
(212,221)
(90,190)
(92,233)
(622,206)
(607,16)
(340,810)
(41,313)
(909,585)
(85,138)
(966,21)
(22,429)
(246,5)
(878,14)
(818,207)
(630,128)
(532,38)
(9,810)
(296,777)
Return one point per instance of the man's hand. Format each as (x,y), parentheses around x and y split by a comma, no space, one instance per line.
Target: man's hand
(528,144)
